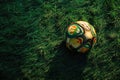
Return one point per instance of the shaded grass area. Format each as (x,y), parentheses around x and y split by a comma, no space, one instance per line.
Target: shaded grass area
(32,34)
(66,65)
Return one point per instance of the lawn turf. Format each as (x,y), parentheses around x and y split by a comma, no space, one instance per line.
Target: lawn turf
(32,40)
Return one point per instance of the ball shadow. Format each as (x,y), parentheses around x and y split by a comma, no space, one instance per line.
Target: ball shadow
(66,65)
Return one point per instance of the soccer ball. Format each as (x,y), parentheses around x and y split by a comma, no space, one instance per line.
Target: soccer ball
(80,36)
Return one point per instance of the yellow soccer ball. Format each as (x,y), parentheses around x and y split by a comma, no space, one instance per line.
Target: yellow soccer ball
(80,36)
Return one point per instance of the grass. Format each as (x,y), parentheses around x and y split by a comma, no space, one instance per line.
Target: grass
(33,33)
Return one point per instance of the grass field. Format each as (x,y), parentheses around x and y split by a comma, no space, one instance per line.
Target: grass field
(32,40)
